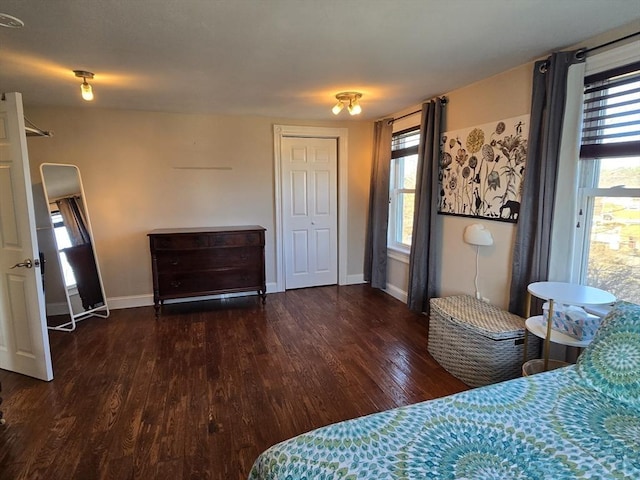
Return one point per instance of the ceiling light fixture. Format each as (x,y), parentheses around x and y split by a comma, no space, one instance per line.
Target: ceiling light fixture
(10,21)
(352,101)
(85,88)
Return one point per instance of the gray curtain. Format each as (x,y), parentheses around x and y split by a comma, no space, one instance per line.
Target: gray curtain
(375,260)
(533,234)
(73,218)
(422,259)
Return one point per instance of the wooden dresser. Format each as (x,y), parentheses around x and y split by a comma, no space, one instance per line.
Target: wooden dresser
(190,262)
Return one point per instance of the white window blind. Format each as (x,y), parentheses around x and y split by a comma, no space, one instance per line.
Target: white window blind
(611,121)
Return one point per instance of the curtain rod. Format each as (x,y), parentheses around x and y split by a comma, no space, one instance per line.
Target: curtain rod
(586,51)
(443,99)
(582,53)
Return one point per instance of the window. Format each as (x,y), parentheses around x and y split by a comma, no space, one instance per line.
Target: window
(63,241)
(608,249)
(402,189)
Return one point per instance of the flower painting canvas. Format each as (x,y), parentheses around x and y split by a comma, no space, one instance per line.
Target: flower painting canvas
(482,170)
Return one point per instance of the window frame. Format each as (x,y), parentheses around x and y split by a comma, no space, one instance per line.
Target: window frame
(588,189)
(397,190)
(588,192)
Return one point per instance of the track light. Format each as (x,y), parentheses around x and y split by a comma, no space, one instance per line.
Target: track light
(10,21)
(352,101)
(354,107)
(85,87)
(337,108)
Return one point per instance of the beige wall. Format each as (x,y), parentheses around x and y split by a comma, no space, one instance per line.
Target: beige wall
(505,95)
(128,160)
(502,96)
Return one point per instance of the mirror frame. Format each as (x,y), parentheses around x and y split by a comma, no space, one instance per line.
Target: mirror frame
(103,310)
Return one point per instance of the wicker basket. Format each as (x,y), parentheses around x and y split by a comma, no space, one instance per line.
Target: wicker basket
(477,342)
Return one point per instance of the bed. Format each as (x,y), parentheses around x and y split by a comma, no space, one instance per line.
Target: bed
(582,421)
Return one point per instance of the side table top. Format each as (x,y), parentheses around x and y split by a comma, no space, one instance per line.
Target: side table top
(570,293)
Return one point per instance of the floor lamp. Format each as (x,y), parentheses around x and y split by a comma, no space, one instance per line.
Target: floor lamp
(477,235)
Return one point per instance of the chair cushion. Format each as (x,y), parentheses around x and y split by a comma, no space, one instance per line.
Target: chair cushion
(611,363)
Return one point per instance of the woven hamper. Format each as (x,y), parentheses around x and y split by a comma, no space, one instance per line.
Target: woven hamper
(477,342)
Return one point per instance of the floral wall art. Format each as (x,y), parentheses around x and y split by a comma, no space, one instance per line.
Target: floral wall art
(482,170)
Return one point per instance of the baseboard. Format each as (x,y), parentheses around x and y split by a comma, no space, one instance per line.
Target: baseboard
(355,279)
(397,293)
(132,301)
(59,308)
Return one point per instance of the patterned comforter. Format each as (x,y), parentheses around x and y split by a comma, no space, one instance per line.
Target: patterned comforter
(552,425)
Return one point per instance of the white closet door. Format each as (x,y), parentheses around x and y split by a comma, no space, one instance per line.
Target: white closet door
(310,211)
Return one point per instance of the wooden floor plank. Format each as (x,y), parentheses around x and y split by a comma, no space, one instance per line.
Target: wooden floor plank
(201,391)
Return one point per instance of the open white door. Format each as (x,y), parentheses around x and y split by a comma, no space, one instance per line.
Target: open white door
(24,340)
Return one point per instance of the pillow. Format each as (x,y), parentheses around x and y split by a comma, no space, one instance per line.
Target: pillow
(611,363)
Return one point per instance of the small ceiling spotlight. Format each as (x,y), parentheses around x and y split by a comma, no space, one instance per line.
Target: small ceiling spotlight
(85,88)
(10,21)
(351,99)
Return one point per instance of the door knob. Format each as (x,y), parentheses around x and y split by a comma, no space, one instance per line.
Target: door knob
(28,263)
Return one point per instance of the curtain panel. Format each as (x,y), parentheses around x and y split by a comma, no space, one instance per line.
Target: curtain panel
(375,261)
(422,259)
(533,233)
(73,218)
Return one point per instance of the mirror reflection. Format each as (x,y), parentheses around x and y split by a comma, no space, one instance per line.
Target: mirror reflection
(79,274)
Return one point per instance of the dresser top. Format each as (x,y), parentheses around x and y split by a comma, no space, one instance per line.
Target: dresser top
(173,231)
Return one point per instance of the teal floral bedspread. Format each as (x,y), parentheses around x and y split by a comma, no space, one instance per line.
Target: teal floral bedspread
(554,425)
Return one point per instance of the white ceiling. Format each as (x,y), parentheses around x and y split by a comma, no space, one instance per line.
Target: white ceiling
(282,58)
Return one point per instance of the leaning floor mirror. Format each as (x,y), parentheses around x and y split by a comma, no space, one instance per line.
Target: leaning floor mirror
(79,272)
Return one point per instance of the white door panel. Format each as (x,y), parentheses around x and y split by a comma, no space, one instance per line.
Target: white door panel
(300,252)
(323,250)
(323,194)
(310,211)
(299,207)
(24,340)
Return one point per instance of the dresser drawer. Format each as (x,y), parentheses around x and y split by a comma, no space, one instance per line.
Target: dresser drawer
(205,259)
(179,242)
(207,240)
(208,282)
(236,239)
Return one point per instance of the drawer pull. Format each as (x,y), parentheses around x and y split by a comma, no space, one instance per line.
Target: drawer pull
(175,283)
(174,261)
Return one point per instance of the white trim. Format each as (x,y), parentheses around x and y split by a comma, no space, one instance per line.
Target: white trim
(563,233)
(58,308)
(611,192)
(616,57)
(341,135)
(133,301)
(398,255)
(130,301)
(397,293)
(355,279)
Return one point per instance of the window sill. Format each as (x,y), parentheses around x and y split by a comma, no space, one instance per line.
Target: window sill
(397,254)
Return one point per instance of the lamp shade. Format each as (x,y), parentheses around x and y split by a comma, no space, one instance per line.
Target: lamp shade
(87,91)
(476,234)
(337,108)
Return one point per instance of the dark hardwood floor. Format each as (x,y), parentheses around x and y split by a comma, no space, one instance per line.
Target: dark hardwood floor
(201,391)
